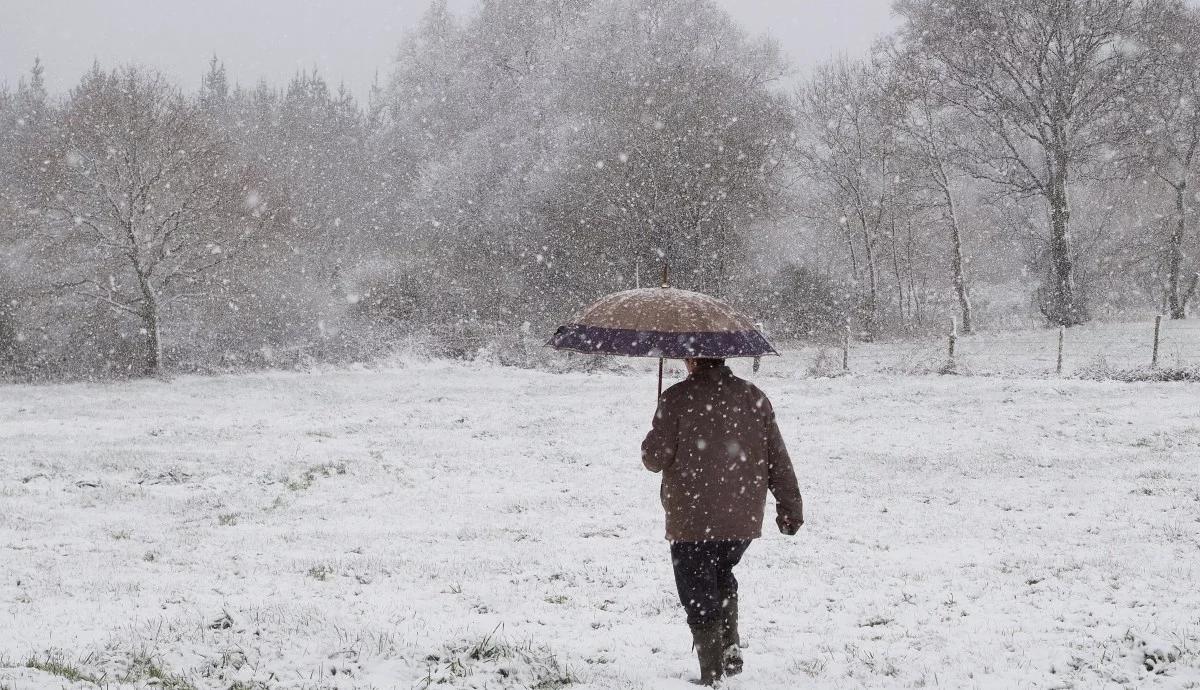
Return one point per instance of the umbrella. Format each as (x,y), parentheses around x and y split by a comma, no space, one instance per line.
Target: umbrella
(667,323)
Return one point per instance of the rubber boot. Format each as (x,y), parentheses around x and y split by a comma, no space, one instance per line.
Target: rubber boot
(733,642)
(709,641)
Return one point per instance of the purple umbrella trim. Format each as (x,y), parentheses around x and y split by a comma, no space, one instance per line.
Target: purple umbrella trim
(594,340)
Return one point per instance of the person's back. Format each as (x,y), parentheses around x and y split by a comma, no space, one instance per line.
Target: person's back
(719,449)
(717,444)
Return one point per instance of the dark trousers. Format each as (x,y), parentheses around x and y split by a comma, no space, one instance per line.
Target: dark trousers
(704,577)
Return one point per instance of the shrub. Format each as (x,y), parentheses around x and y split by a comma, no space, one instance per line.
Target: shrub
(1102,372)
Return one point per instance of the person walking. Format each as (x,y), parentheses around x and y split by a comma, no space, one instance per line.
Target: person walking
(715,440)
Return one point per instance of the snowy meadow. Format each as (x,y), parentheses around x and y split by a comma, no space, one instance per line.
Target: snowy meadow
(472,526)
(296,424)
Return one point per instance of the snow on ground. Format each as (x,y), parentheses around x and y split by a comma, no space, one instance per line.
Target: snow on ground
(475,526)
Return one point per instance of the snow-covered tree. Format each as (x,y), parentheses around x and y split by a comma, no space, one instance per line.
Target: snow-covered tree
(550,149)
(1041,80)
(847,149)
(26,129)
(1164,123)
(142,204)
(930,135)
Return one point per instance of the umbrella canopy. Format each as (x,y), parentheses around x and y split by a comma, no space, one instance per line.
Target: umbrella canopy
(664,323)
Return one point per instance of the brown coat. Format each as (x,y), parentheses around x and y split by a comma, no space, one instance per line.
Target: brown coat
(716,442)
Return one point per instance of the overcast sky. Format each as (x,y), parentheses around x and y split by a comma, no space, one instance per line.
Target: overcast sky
(347,40)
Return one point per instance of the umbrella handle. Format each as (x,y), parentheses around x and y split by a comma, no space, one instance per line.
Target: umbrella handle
(660,375)
(665,274)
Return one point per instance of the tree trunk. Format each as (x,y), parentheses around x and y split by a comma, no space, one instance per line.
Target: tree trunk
(850,248)
(1063,307)
(899,276)
(958,265)
(150,320)
(1177,298)
(873,285)
(1191,292)
(150,323)
(153,341)
(150,306)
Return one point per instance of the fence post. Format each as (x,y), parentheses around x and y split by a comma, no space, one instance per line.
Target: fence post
(1062,335)
(846,347)
(1157,330)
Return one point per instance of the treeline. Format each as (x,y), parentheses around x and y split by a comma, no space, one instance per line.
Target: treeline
(1047,146)
(992,161)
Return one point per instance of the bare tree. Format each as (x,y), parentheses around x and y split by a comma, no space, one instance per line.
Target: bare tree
(847,146)
(1039,79)
(1165,123)
(143,204)
(930,133)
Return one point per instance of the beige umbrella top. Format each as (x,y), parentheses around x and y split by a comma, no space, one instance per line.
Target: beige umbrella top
(664,310)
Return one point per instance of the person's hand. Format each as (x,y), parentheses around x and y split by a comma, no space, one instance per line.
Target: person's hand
(789,524)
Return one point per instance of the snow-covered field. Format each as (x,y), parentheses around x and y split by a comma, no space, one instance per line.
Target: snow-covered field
(484,527)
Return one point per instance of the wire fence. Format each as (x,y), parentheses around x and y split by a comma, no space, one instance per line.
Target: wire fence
(1090,349)
(1122,350)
